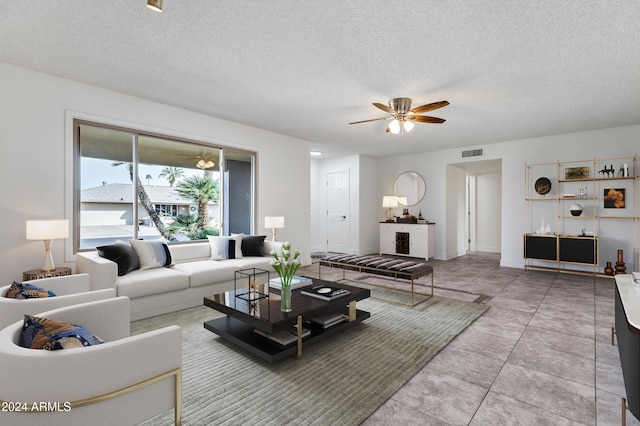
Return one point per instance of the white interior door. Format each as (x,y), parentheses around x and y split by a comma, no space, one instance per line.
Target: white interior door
(338,211)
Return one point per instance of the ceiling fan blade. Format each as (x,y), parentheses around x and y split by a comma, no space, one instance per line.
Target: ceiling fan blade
(427,119)
(374,119)
(429,107)
(384,108)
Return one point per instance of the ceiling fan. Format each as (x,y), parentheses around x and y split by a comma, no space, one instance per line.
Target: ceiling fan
(402,114)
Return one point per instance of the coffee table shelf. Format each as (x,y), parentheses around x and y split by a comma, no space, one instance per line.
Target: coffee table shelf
(242,318)
(243,335)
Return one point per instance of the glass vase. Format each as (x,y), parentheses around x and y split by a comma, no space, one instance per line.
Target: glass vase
(285,296)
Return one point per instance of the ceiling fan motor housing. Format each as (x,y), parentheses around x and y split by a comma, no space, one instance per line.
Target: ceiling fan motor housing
(400,105)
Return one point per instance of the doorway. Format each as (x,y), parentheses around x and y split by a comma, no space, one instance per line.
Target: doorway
(483,205)
(338,213)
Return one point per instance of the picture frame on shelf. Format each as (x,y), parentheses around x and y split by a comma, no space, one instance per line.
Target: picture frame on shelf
(614,198)
(571,173)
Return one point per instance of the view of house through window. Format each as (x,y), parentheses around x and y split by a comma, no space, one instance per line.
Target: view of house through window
(134,185)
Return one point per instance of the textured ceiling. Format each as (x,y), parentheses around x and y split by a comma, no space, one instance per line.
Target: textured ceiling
(510,69)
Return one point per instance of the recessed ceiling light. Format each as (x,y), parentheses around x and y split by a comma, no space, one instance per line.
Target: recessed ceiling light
(316,153)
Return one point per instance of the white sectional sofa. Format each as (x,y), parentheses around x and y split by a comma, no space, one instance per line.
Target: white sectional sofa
(157,291)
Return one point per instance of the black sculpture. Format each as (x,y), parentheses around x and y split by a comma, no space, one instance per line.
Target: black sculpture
(608,171)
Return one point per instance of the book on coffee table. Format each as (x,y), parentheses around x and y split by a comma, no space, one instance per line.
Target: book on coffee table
(325,292)
(327,320)
(296,282)
(284,337)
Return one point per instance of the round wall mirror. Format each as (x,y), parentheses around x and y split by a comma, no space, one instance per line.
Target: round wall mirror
(410,185)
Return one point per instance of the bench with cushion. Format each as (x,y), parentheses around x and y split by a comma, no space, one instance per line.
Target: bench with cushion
(380,265)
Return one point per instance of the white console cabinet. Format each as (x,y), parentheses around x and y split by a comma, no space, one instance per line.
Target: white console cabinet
(408,239)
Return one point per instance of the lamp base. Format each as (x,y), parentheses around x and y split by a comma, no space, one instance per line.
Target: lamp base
(389,214)
(47,263)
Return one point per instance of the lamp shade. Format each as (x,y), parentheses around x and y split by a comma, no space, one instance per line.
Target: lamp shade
(389,201)
(47,229)
(408,125)
(274,222)
(394,127)
(402,200)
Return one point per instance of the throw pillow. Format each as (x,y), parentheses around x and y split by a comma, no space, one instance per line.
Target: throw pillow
(253,245)
(238,239)
(122,254)
(27,291)
(223,247)
(152,253)
(49,334)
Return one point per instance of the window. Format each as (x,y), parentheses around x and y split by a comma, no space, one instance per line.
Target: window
(181,193)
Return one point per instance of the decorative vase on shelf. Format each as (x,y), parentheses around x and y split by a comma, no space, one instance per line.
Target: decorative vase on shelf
(286,266)
(608,270)
(575,209)
(620,266)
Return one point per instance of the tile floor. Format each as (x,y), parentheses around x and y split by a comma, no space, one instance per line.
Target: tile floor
(542,354)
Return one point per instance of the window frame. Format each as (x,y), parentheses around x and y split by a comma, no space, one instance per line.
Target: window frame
(76,122)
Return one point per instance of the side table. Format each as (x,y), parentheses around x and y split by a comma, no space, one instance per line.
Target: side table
(35,274)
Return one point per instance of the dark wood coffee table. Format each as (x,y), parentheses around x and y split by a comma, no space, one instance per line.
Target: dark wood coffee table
(243,317)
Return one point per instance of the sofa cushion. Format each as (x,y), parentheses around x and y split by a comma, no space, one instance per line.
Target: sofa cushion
(253,245)
(152,253)
(151,281)
(188,252)
(122,254)
(49,334)
(223,247)
(204,272)
(27,291)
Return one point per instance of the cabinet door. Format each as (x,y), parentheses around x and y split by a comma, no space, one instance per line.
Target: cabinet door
(418,241)
(579,250)
(387,239)
(544,248)
(629,350)
(431,241)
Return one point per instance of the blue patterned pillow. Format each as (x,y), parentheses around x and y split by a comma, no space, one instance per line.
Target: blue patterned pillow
(152,253)
(27,291)
(51,335)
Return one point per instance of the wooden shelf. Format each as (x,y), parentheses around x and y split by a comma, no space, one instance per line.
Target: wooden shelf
(600,222)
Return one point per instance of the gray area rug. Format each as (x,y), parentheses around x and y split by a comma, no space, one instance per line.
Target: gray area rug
(339,381)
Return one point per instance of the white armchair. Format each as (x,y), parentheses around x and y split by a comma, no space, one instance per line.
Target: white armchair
(123,381)
(69,290)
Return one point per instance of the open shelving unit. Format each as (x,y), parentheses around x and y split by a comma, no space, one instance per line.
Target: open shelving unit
(581,242)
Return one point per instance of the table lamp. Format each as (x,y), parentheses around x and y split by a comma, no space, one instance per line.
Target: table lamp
(47,230)
(390,202)
(273,222)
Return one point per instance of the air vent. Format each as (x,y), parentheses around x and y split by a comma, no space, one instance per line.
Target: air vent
(472,153)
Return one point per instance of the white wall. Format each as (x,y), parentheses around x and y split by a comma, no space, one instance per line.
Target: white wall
(455,203)
(365,207)
(604,143)
(489,212)
(371,211)
(35,114)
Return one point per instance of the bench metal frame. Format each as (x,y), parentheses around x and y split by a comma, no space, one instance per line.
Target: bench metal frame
(383,272)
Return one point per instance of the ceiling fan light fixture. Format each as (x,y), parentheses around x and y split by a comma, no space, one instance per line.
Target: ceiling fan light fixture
(155,5)
(394,126)
(408,125)
(205,164)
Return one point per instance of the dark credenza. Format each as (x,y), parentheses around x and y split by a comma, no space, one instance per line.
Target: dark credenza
(561,248)
(627,321)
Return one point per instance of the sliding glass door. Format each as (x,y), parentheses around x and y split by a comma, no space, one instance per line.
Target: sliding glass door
(131,184)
